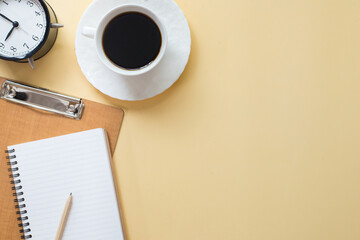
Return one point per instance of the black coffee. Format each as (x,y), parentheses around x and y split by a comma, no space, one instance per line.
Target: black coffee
(131,40)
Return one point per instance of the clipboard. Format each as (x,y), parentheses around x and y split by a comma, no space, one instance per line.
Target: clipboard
(28,113)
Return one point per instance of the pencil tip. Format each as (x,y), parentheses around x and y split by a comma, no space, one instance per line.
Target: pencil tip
(71,193)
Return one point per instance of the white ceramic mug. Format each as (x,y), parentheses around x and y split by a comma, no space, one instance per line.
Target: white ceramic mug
(97,35)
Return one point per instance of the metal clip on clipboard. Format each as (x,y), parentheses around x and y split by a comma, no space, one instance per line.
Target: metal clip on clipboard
(42,99)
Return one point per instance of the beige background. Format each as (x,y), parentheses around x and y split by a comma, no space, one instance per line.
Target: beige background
(259,138)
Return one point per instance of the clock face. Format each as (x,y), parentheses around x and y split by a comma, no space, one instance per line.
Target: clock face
(23,26)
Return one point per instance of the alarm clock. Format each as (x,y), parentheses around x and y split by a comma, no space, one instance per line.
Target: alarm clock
(28,30)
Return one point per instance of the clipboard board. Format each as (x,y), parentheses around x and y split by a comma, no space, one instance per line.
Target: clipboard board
(29,113)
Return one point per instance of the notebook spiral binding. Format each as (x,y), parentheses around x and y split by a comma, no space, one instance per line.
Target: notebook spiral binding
(18,195)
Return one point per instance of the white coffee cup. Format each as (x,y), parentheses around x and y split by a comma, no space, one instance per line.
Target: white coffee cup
(97,35)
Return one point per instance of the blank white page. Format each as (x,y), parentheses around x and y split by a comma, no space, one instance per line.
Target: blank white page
(51,169)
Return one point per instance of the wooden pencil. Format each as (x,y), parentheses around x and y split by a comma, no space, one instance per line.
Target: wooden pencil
(64,217)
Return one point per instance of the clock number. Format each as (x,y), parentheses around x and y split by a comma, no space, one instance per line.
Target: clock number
(25,45)
(30,3)
(13,49)
(37,13)
(18,1)
(36,38)
(5,2)
(2,45)
(39,25)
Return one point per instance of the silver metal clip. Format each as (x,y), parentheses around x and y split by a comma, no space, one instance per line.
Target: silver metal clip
(42,99)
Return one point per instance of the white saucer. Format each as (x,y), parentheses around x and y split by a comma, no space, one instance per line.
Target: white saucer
(151,83)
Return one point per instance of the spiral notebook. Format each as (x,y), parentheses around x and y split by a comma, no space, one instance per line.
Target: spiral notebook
(46,171)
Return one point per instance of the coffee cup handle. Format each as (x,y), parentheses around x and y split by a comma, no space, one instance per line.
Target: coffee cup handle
(88,32)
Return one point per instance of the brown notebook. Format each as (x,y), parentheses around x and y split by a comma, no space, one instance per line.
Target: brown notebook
(19,124)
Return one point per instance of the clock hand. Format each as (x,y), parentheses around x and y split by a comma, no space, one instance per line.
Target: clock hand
(6,18)
(15,25)
(23,30)
(7,36)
